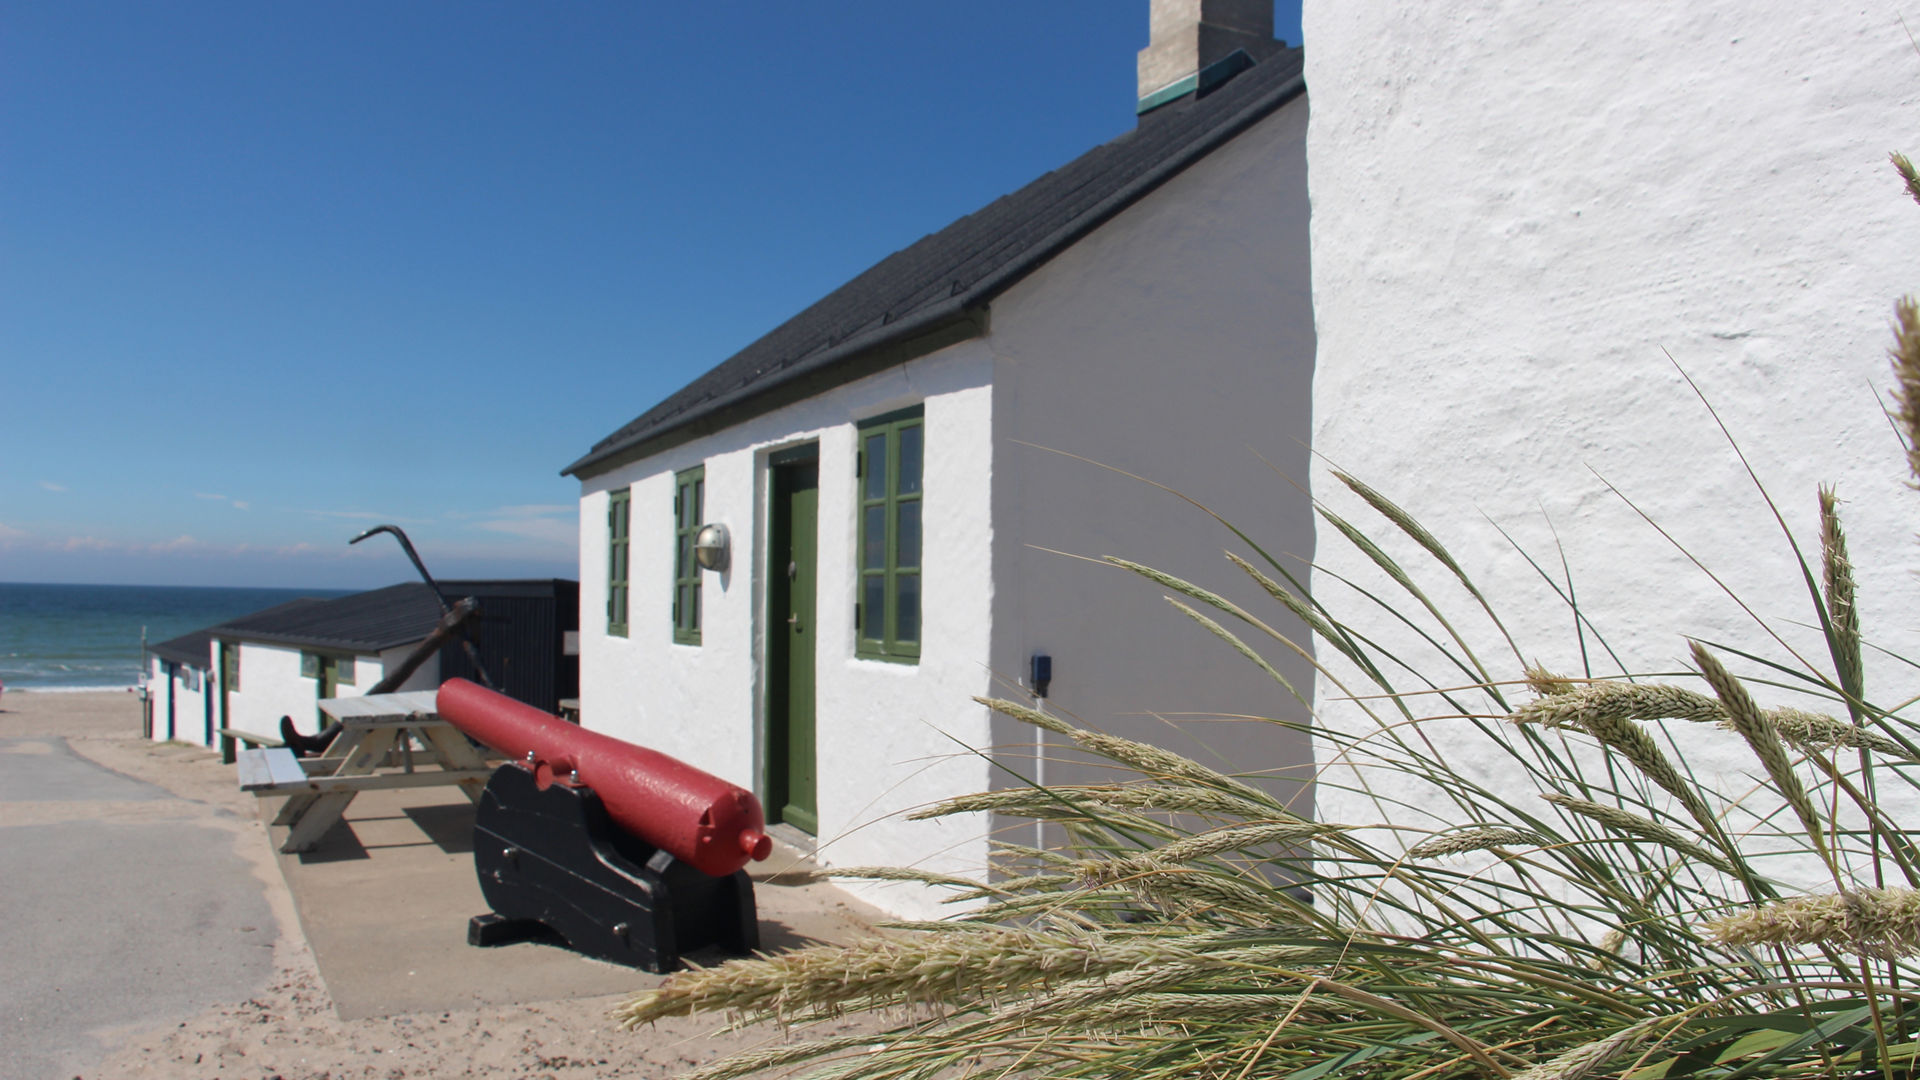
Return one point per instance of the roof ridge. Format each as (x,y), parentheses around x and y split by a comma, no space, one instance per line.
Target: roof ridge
(933,292)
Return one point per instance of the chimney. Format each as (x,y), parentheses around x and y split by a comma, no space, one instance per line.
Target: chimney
(1194,42)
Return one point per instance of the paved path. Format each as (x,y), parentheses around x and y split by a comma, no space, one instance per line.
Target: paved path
(122,906)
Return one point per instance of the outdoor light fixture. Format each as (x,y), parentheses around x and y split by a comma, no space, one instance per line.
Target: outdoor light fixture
(710,547)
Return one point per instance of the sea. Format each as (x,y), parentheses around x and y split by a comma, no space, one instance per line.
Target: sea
(87,637)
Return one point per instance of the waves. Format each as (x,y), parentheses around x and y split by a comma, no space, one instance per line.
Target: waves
(78,638)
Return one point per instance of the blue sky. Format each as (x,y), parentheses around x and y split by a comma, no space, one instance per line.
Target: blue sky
(272,273)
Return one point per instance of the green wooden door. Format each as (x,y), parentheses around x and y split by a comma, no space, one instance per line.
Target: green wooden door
(791,559)
(327,685)
(229,682)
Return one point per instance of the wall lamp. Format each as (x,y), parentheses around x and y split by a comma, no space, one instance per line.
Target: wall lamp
(710,546)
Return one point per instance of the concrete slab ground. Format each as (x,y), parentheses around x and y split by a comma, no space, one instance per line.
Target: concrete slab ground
(123,906)
(385,898)
(142,888)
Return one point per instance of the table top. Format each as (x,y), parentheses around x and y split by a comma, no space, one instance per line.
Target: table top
(377,708)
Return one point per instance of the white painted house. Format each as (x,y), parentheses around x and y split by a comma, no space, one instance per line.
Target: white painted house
(180,690)
(1520,211)
(284,660)
(894,533)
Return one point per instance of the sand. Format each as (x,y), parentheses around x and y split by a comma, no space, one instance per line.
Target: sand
(288,1027)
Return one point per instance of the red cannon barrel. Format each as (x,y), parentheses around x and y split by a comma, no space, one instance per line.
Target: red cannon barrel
(696,817)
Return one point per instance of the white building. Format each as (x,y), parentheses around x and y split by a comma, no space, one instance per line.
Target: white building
(180,690)
(896,534)
(284,660)
(1520,211)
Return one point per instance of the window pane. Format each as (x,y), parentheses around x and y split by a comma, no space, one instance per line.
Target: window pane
(909,532)
(907,610)
(873,538)
(683,562)
(620,606)
(693,606)
(876,466)
(684,607)
(910,459)
(699,501)
(343,671)
(620,562)
(873,599)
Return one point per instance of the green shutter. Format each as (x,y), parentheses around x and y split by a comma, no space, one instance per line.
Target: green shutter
(889,470)
(619,517)
(689,505)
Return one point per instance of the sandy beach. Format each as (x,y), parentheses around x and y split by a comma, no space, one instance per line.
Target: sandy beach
(426,1016)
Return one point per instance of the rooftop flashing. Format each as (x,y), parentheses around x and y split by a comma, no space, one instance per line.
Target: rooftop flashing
(1200,83)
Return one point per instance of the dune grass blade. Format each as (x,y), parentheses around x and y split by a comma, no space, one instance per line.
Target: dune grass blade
(1191,925)
(1240,647)
(1145,757)
(1400,577)
(1406,522)
(1621,821)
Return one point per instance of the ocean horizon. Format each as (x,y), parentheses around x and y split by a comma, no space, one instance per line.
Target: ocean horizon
(74,638)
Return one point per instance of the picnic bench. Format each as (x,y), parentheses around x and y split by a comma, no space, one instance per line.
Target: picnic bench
(376,749)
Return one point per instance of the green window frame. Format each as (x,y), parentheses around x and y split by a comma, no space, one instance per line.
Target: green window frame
(313,664)
(619,526)
(689,502)
(887,614)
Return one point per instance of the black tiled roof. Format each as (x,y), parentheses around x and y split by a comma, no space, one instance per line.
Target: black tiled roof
(938,288)
(193,650)
(364,622)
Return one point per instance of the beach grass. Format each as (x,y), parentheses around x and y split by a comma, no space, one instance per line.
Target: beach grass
(1605,911)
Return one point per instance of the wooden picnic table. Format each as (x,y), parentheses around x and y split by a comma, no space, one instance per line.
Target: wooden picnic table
(375,730)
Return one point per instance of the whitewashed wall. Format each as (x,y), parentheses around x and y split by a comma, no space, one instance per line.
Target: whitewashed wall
(271,686)
(1520,210)
(189,705)
(371,670)
(882,729)
(1176,343)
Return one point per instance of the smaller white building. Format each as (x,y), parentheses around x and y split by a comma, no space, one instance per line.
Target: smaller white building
(179,702)
(284,660)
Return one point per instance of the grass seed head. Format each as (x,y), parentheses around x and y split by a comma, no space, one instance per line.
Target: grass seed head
(1906,373)
(1905,168)
(1459,843)
(1881,923)
(1585,1060)
(1757,728)
(1546,683)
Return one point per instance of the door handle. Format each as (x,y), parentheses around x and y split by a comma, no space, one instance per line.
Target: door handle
(793,620)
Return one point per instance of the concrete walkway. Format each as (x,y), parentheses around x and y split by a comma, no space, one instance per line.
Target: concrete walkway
(151,932)
(122,906)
